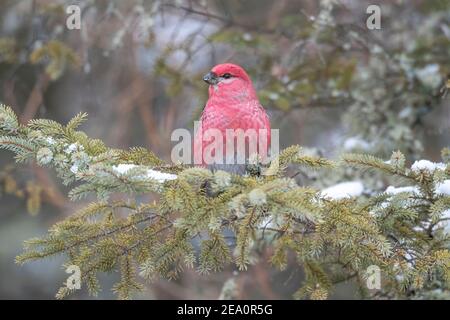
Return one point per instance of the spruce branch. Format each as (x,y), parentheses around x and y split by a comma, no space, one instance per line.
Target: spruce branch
(401,230)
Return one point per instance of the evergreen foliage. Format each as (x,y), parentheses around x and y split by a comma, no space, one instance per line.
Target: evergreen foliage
(402,230)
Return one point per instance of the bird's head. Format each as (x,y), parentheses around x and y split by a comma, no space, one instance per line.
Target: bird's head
(228,78)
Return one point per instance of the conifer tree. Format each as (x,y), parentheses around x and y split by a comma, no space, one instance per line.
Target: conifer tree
(374,196)
(401,231)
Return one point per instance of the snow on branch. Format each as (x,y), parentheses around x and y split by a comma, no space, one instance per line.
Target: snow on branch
(343,190)
(149,173)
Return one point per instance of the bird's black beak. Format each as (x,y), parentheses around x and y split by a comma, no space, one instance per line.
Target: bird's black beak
(211,78)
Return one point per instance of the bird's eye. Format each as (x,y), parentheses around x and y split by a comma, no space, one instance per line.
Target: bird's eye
(226,76)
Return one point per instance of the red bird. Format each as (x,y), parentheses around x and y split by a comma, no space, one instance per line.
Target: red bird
(232,104)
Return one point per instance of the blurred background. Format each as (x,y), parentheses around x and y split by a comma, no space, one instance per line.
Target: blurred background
(329,83)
